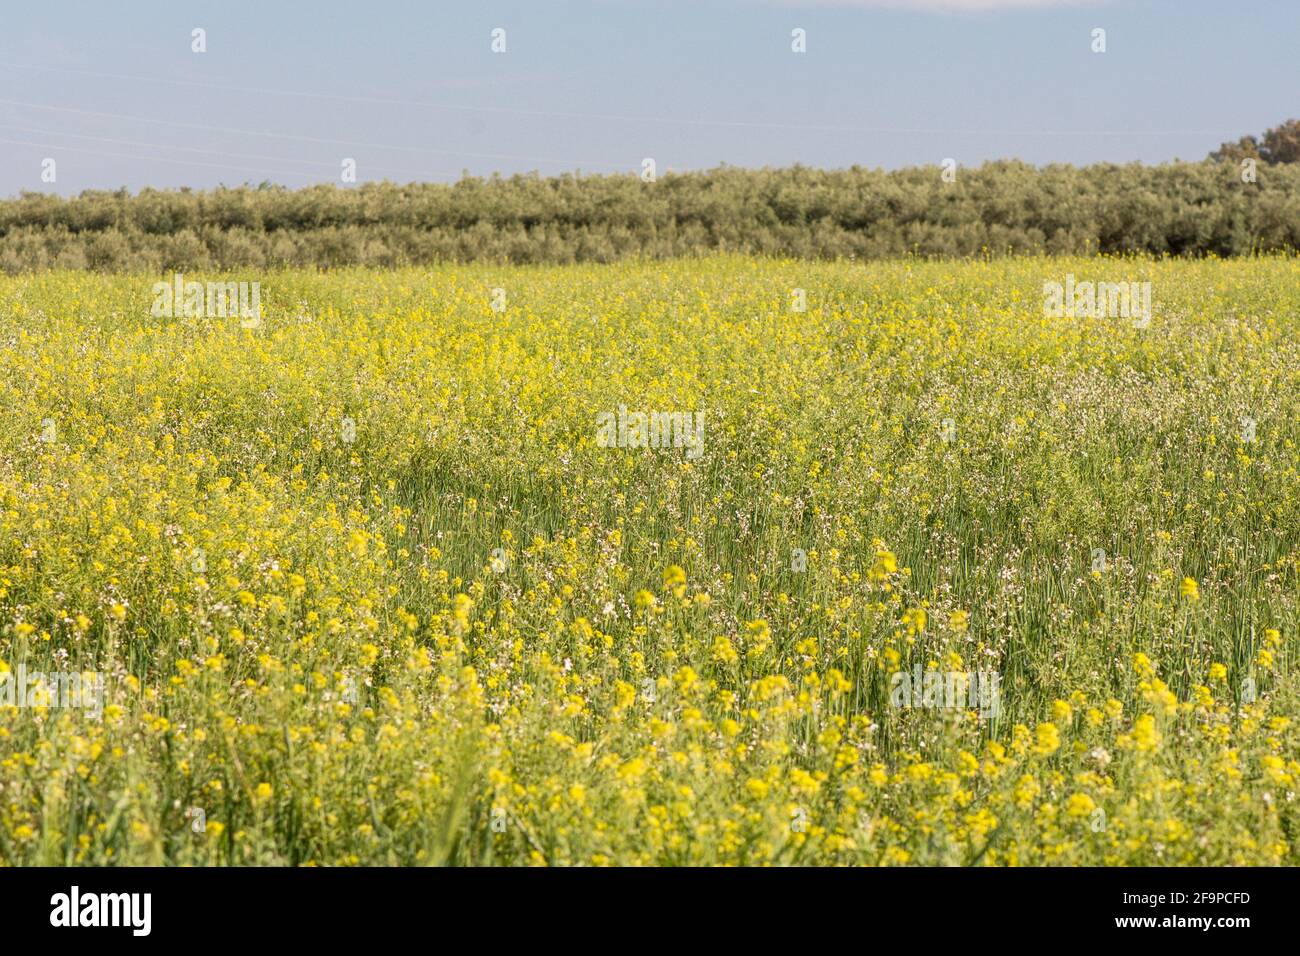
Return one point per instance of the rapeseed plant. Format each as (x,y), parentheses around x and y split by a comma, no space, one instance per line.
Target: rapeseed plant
(365,587)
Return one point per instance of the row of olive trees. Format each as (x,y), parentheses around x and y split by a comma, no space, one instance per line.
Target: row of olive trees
(1186,209)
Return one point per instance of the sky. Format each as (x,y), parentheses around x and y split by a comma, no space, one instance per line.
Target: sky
(286,91)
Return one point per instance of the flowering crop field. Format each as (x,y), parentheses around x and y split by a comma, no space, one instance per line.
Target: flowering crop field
(722,561)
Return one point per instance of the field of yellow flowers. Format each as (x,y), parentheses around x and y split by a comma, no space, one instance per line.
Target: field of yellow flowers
(376,580)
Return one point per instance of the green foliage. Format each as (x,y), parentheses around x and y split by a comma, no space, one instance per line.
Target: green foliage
(1281,144)
(1180,209)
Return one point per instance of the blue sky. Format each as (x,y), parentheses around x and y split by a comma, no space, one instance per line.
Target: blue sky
(413,91)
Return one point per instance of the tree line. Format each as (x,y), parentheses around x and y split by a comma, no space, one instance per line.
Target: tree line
(1222,206)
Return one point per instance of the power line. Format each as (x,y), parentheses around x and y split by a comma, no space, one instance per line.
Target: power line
(612,117)
(194,149)
(310,139)
(140,145)
(156,159)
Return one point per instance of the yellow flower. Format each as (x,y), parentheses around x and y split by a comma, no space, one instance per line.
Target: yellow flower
(675,580)
(1026,791)
(1145,734)
(895,856)
(1275,769)
(804,782)
(1189,589)
(723,651)
(1079,805)
(1143,667)
(1047,739)
(758,633)
(885,565)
